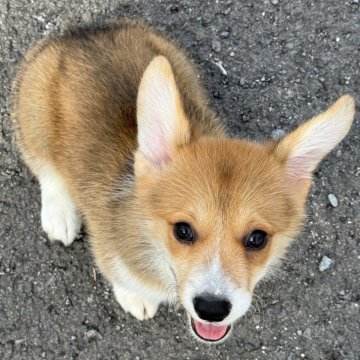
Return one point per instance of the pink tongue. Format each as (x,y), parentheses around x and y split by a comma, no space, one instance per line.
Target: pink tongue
(210,331)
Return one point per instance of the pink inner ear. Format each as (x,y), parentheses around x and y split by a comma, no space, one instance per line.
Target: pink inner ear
(302,167)
(156,149)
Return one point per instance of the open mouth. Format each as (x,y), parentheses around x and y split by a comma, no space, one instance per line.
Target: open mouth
(210,331)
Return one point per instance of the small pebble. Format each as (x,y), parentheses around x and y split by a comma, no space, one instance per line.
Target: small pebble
(290,45)
(307,333)
(275,2)
(299,332)
(200,35)
(333,200)
(325,263)
(92,334)
(207,19)
(277,134)
(216,45)
(355,1)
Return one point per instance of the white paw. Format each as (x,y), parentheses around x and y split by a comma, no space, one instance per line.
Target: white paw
(140,308)
(59,218)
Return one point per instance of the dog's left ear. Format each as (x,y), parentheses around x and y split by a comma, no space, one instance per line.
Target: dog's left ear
(303,149)
(161,120)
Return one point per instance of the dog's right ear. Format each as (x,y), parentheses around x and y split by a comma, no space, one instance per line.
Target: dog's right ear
(304,148)
(162,124)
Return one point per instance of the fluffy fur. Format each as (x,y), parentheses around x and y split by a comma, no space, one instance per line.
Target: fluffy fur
(115,125)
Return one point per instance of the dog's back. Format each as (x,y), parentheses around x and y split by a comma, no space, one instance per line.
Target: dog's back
(85,83)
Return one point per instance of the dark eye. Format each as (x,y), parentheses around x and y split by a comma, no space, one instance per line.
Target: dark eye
(183,232)
(256,240)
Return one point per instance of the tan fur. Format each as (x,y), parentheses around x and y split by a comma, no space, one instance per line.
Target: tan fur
(64,109)
(230,195)
(75,109)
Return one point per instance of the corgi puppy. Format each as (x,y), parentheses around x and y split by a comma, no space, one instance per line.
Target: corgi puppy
(114,123)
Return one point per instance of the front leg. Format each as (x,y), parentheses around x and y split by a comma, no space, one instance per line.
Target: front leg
(135,304)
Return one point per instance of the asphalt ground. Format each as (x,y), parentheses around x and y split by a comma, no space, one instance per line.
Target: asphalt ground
(267,66)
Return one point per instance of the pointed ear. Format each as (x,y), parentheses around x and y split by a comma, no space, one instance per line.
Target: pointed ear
(303,149)
(162,124)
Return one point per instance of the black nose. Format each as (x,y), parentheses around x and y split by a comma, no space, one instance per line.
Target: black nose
(211,309)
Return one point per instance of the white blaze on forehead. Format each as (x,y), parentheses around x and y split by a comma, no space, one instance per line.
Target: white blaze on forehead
(211,280)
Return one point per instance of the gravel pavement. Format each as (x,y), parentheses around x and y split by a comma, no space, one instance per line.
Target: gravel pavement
(267,65)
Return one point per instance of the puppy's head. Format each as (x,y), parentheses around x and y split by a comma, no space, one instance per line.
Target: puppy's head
(223,211)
